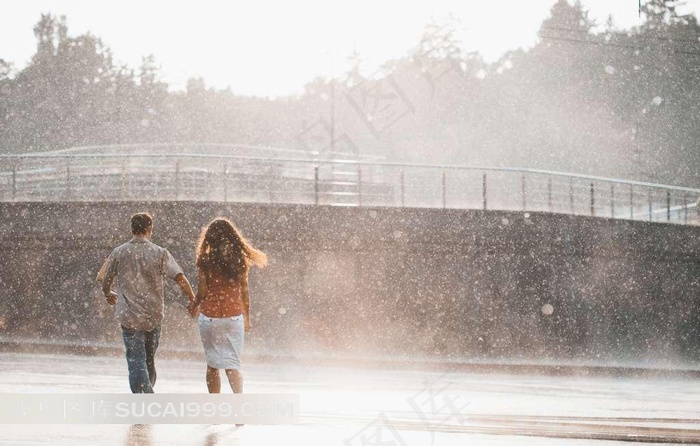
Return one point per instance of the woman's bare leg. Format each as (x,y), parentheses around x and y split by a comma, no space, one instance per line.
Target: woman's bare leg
(235,379)
(213,381)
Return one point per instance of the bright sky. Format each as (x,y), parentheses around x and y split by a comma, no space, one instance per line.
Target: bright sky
(272,48)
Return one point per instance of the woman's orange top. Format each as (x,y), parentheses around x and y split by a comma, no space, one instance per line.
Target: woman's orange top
(223,297)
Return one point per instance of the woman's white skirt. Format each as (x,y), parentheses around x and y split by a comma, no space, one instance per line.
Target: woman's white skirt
(222,338)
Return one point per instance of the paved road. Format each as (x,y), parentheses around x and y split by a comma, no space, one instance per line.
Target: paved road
(369,407)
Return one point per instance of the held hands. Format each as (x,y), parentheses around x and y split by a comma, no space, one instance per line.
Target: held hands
(193,308)
(112,298)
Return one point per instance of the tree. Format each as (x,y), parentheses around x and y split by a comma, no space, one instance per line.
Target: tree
(60,98)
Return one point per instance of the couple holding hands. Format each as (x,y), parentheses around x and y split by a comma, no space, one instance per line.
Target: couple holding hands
(222,302)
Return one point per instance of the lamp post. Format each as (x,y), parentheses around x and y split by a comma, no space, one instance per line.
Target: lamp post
(639,150)
(645,172)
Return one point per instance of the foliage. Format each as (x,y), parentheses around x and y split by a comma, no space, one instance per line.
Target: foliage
(608,102)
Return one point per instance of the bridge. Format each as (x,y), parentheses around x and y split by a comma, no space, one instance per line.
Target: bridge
(256,174)
(384,233)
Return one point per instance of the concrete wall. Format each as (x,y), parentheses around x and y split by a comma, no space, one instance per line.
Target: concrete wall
(408,283)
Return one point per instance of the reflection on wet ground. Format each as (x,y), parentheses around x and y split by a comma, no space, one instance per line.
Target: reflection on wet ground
(363,407)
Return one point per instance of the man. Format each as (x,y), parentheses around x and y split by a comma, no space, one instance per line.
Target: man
(139,267)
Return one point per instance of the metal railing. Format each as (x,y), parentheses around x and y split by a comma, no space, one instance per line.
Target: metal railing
(63,176)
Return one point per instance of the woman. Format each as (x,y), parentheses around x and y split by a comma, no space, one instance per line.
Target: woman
(223,260)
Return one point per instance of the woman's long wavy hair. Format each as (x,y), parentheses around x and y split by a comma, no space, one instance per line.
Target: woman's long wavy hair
(223,250)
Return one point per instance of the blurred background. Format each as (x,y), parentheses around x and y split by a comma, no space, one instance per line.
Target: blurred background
(604,88)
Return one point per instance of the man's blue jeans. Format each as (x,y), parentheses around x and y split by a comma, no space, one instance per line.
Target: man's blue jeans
(141,349)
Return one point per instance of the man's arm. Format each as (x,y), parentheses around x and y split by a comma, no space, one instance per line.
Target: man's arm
(103,270)
(172,270)
(185,286)
(109,272)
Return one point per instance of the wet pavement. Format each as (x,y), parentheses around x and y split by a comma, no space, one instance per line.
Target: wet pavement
(376,406)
